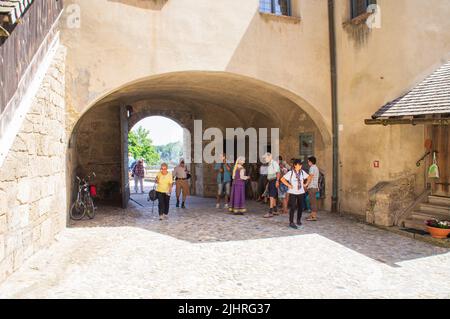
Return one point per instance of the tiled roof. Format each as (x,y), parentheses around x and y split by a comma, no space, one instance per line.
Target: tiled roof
(14,9)
(432,96)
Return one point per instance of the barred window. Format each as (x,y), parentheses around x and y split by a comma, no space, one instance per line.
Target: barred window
(278,7)
(360,6)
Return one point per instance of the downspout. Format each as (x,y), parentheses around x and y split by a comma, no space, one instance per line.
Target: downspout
(334,106)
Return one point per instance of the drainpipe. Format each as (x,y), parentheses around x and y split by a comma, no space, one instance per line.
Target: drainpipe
(334,106)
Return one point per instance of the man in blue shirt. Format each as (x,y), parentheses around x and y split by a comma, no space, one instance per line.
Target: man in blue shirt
(223,181)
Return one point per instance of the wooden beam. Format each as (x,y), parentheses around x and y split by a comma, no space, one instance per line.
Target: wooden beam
(405,121)
(3,32)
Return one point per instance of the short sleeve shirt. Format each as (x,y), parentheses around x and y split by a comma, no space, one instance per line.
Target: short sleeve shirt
(180,172)
(224,177)
(291,177)
(272,170)
(164,182)
(314,170)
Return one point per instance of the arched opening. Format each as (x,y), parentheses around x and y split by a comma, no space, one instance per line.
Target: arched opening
(221,100)
(153,140)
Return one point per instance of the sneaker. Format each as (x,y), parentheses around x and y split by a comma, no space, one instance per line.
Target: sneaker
(178,204)
(217,206)
(226,206)
(292,225)
(183,206)
(161,217)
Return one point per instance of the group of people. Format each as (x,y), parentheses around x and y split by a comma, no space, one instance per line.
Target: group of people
(277,180)
(280,183)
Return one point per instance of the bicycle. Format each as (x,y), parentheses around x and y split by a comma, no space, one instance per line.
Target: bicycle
(84,204)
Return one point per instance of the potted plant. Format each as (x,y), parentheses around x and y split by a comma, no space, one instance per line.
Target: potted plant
(438,229)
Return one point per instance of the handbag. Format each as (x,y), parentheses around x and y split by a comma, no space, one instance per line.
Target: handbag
(152,196)
(433,171)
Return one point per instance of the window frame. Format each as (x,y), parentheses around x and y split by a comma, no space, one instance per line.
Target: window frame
(273,8)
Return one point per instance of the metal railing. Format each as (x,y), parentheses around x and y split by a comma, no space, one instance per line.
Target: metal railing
(17,50)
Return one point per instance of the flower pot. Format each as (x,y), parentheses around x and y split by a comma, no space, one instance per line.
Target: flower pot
(439,233)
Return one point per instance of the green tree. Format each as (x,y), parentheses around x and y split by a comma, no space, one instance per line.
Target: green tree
(170,153)
(140,145)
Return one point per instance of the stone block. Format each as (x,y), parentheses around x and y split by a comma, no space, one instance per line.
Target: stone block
(23,166)
(2,248)
(36,189)
(46,232)
(19,144)
(3,225)
(18,258)
(388,199)
(24,190)
(45,206)
(13,218)
(8,170)
(24,211)
(8,264)
(2,271)
(3,203)
(36,233)
(13,243)
(34,212)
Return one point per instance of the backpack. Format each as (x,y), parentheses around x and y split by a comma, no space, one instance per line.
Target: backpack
(322,185)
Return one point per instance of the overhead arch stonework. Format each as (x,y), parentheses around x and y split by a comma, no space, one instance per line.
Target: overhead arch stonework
(220,99)
(227,88)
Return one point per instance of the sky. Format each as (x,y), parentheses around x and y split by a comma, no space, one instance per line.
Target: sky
(162,130)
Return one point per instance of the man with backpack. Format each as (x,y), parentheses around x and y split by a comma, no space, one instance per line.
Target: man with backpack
(313,188)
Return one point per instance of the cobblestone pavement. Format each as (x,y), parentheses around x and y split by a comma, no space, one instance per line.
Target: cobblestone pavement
(203,252)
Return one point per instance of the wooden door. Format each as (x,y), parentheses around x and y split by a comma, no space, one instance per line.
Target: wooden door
(125,181)
(441,144)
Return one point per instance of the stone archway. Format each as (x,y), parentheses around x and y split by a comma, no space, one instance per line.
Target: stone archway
(220,99)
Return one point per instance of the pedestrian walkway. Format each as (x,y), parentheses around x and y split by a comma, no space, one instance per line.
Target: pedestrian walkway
(204,252)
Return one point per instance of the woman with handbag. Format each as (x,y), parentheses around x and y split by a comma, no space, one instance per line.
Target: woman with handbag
(164,181)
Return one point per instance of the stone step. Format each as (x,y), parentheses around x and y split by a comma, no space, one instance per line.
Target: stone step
(439,200)
(415,224)
(423,216)
(435,209)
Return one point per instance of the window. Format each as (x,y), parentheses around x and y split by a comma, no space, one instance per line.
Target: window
(278,7)
(306,145)
(360,6)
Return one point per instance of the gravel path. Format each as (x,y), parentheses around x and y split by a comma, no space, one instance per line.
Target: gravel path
(202,252)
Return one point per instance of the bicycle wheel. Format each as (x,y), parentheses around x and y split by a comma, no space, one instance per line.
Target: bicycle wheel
(90,208)
(77,211)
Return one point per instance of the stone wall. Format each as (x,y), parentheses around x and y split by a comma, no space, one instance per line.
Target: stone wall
(32,178)
(97,149)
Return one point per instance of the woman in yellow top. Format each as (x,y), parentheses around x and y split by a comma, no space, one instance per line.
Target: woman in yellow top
(164,181)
